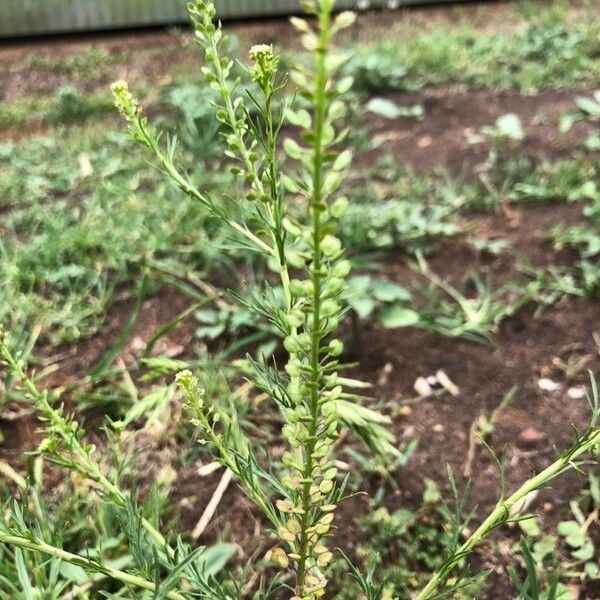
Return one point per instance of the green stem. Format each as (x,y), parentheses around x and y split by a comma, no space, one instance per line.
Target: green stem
(276,208)
(502,511)
(193,192)
(89,565)
(316,275)
(86,465)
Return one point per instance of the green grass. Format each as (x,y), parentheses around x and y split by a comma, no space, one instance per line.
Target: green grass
(66,105)
(549,53)
(82,219)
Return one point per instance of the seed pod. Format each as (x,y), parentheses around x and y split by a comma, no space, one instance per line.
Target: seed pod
(279,557)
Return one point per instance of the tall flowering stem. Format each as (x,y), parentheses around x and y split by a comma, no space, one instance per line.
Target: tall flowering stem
(313,353)
(311,398)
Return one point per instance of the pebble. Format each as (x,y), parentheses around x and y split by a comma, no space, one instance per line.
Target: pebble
(547,385)
(422,387)
(576,393)
(531,436)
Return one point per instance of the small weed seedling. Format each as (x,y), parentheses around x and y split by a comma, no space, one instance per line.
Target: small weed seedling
(568,555)
(588,109)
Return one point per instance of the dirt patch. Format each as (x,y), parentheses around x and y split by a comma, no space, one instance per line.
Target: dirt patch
(74,361)
(441,140)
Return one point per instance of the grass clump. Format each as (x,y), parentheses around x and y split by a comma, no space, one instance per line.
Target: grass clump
(550,52)
(83,221)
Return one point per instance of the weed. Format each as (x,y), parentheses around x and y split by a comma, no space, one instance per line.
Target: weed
(82,65)
(15,114)
(569,180)
(588,109)
(84,221)
(449,312)
(404,546)
(26,533)
(70,105)
(570,554)
(298,496)
(400,209)
(582,237)
(312,400)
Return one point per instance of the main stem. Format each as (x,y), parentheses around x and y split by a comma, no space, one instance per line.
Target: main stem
(502,511)
(316,276)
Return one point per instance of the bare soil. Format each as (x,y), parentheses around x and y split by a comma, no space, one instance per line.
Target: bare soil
(443,138)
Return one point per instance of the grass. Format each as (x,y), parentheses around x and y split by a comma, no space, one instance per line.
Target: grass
(82,221)
(89,64)
(548,53)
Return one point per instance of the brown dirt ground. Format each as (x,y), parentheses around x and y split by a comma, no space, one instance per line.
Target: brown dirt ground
(442,138)
(526,347)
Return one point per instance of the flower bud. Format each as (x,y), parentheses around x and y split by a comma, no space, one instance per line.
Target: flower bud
(293,367)
(334,286)
(329,308)
(341,269)
(324,559)
(279,557)
(330,245)
(326,486)
(291,344)
(295,318)
(304,341)
(335,348)
(339,208)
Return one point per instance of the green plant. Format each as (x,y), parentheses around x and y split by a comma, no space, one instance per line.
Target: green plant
(70,105)
(312,400)
(81,64)
(585,238)
(588,109)
(299,495)
(551,51)
(75,238)
(568,555)
(367,295)
(451,312)
(531,588)
(403,547)
(153,563)
(397,208)
(570,180)
(508,507)
(197,129)
(500,169)
(310,395)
